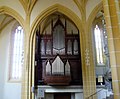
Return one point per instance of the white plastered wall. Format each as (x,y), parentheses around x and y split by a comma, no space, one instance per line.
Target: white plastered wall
(8,90)
(15,5)
(41,5)
(91,4)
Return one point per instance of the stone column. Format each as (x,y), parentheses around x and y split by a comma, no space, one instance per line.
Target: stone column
(111,13)
(28,69)
(88,68)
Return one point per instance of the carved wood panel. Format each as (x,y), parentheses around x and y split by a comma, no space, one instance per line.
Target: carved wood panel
(67,46)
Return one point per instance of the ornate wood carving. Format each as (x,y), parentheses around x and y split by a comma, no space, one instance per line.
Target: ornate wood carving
(66,46)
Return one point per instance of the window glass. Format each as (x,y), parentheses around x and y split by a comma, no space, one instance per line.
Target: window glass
(17,54)
(98,45)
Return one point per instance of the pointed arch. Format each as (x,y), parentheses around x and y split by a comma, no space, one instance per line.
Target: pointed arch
(42,16)
(82,11)
(93,15)
(89,23)
(13,13)
(56,8)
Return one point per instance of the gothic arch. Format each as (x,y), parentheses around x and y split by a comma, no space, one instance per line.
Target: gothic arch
(93,15)
(50,10)
(13,13)
(56,8)
(89,22)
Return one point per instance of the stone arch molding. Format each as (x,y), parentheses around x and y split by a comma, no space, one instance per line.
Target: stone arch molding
(50,10)
(93,15)
(56,8)
(12,13)
(89,28)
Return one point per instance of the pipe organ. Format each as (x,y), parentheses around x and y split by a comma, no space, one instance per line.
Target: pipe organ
(57,54)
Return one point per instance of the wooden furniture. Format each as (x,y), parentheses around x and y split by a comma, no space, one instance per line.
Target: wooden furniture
(49,46)
(62,96)
(57,80)
(57,73)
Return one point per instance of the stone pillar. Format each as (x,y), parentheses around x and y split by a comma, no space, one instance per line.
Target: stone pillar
(88,69)
(28,69)
(111,13)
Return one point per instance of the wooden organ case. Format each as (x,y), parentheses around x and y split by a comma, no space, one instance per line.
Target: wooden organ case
(57,56)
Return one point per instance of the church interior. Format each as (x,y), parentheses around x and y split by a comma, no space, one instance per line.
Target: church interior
(50,49)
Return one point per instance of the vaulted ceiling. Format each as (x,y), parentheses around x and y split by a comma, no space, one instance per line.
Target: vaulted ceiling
(28,6)
(4,20)
(82,2)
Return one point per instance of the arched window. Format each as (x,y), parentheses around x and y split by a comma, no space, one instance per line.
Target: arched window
(98,45)
(16,53)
